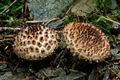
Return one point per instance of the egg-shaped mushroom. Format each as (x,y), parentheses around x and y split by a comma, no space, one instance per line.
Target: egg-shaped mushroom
(86,41)
(35,42)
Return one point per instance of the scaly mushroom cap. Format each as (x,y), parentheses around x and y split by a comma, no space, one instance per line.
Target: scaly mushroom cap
(86,41)
(35,42)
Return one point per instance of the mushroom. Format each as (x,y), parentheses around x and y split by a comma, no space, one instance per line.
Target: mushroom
(86,41)
(35,42)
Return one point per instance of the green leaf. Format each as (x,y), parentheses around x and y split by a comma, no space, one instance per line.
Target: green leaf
(6,2)
(108,3)
(18,8)
(1,6)
(104,24)
(69,18)
(110,38)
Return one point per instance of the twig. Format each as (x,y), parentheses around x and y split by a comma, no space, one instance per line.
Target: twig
(73,70)
(8,7)
(45,75)
(67,12)
(10,39)
(16,66)
(111,70)
(25,9)
(97,72)
(44,21)
(9,28)
(58,56)
(115,73)
(35,21)
(3,62)
(102,17)
(6,37)
(51,20)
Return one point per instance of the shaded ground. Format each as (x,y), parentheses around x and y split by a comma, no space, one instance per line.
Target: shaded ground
(62,66)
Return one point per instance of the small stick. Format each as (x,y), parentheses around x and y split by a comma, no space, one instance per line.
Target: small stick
(34,21)
(9,28)
(115,73)
(6,37)
(58,56)
(102,17)
(45,21)
(8,6)
(97,72)
(10,39)
(3,62)
(51,20)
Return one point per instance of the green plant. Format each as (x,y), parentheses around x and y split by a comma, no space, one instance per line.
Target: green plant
(10,12)
(70,18)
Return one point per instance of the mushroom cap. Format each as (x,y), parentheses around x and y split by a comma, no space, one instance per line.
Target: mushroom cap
(35,42)
(86,41)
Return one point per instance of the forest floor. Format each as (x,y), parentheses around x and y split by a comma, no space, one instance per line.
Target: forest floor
(103,13)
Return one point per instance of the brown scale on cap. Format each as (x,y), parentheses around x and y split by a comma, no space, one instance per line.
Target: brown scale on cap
(35,42)
(86,41)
